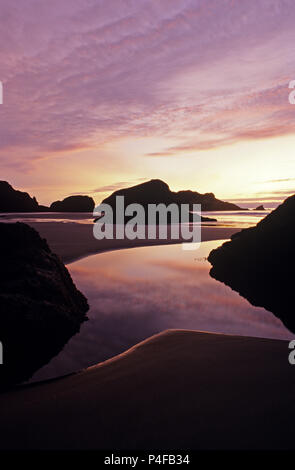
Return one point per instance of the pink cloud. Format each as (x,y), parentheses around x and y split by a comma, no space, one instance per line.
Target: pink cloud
(77,74)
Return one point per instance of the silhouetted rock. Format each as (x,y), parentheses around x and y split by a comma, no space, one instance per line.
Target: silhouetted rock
(43,208)
(259,208)
(156,192)
(259,262)
(203,218)
(73,204)
(12,200)
(40,306)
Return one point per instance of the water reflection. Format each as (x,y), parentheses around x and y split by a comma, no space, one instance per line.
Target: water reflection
(238,219)
(63,217)
(224,218)
(135,293)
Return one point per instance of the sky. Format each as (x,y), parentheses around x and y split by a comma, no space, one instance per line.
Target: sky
(104,94)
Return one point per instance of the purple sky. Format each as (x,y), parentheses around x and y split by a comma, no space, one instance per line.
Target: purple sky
(99,93)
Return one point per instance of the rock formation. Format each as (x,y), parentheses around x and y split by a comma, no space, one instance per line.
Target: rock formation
(259,262)
(157,191)
(73,204)
(16,201)
(40,307)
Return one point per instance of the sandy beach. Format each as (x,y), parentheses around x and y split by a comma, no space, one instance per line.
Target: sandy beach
(147,227)
(179,389)
(176,390)
(72,241)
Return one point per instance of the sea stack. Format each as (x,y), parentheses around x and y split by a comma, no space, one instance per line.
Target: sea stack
(157,191)
(12,200)
(73,204)
(259,261)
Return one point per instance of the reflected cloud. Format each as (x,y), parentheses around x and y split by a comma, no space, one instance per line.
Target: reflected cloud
(135,293)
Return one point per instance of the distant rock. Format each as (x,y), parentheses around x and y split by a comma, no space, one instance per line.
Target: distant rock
(203,219)
(40,306)
(259,208)
(43,208)
(259,263)
(152,192)
(157,191)
(73,204)
(12,200)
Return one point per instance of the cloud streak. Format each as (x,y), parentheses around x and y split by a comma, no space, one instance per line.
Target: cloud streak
(112,187)
(79,75)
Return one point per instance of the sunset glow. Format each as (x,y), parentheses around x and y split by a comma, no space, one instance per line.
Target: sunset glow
(97,98)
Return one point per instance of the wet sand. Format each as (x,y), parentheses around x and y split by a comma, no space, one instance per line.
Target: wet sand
(176,390)
(72,241)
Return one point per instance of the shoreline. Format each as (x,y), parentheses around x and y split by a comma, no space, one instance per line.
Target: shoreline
(177,389)
(73,241)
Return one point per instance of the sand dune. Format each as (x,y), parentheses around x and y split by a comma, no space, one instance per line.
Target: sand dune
(177,390)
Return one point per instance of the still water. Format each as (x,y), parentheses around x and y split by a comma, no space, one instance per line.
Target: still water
(224,218)
(135,293)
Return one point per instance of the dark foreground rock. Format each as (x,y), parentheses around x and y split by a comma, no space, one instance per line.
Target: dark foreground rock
(73,204)
(259,263)
(40,307)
